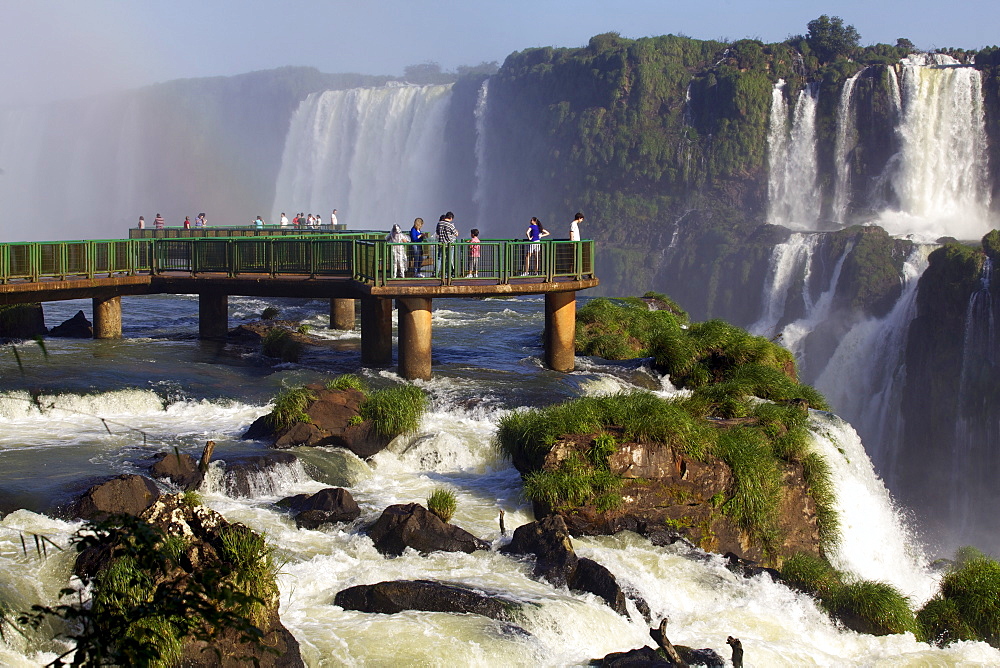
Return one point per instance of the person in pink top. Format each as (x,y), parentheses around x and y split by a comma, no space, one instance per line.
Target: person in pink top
(158,222)
(474,252)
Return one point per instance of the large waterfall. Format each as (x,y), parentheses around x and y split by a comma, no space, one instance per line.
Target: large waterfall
(794,197)
(375,154)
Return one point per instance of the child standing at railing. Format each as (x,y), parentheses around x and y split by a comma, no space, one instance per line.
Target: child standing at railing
(474,252)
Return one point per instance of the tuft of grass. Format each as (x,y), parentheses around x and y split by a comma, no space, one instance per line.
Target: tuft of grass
(395,410)
(810,574)
(192,499)
(253,568)
(290,407)
(575,483)
(755,496)
(270,313)
(967,606)
(443,503)
(348,381)
(603,446)
(881,607)
(304,329)
(819,478)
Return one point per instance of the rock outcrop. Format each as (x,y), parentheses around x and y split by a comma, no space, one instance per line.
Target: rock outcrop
(428,596)
(22,321)
(327,506)
(127,494)
(77,327)
(412,525)
(334,418)
(179,468)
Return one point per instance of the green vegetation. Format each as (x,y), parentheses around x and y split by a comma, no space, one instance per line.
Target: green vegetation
(279,343)
(148,600)
(865,605)
(395,410)
(290,407)
(829,38)
(442,502)
(348,381)
(254,569)
(192,499)
(967,606)
(304,329)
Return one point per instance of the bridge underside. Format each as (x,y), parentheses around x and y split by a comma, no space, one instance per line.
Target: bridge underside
(413,300)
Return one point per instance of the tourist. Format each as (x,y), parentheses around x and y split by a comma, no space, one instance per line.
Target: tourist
(534,233)
(199,221)
(397,241)
(142,223)
(284,219)
(187,222)
(417,236)
(259,223)
(446,233)
(333,219)
(574,227)
(158,222)
(474,250)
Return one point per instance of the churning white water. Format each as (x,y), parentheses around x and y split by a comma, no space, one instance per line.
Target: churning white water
(790,266)
(792,191)
(843,146)
(375,154)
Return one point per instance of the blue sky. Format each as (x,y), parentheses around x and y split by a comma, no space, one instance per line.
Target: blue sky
(53,49)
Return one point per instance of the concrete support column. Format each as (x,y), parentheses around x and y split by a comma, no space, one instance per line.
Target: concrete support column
(213,316)
(376,331)
(107,318)
(342,314)
(414,337)
(560,331)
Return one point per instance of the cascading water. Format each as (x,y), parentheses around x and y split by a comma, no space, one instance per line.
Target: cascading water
(845,142)
(375,154)
(794,198)
(790,265)
(864,376)
(942,180)
(482,100)
(974,458)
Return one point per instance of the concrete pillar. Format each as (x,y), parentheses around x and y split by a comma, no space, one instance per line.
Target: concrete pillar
(342,314)
(414,314)
(376,331)
(213,316)
(107,318)
(560,331)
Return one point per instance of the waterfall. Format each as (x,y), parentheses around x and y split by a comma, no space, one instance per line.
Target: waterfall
(794,199)
(845,142)
(942,179)
(790,265)
(865,375)
(375,154)
(479,197)
(977,431)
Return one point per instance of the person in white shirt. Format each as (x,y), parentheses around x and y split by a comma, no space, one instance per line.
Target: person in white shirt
(574,227)
(333,217)
(284,219)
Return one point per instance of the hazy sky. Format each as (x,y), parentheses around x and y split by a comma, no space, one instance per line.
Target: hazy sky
(51,49)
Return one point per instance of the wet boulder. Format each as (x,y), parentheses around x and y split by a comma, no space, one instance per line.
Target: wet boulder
(427,596)
(127,494)
(643,657)
(77,327)
(327,506)
(179,468)
(411,525)
(22,321)
(548,540)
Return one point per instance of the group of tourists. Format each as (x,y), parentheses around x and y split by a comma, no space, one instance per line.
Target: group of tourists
(159,223)
(446,234)
(305,220)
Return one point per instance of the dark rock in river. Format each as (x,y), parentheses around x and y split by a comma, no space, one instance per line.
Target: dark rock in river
(22,321)
(644,657)
(412,525)
(181,469)
(428,596)
(77,327)
(327,506)
(549,541)
(124,495)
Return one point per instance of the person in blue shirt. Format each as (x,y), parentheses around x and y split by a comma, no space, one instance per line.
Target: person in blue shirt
(534,234)
(417,236)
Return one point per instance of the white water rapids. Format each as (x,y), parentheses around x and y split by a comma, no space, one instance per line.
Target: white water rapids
(703,601)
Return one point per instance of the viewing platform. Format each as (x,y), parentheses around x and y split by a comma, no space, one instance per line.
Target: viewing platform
(341,266)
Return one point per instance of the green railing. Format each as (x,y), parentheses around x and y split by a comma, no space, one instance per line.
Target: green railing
(353,255)
(36,260)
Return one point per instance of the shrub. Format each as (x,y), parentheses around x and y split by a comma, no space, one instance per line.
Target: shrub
(290,407)
(270,313)
(811,574)
(756,489)
(254,570)
(191,498)
(574,483)
(442,502)
(395,410)
(304,329)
